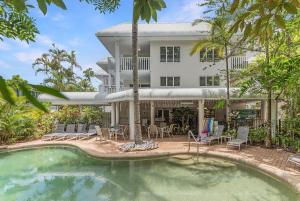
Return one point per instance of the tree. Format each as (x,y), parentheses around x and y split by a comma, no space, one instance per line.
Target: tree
(59,67)
(260,21)
(221,38)
(15,23)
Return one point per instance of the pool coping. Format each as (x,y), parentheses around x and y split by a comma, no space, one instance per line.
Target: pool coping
(283,175)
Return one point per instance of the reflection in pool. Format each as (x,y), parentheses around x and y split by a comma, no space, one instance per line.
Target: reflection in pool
(68,174)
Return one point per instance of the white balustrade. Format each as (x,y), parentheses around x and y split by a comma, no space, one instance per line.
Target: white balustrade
(143,63)
(238,62)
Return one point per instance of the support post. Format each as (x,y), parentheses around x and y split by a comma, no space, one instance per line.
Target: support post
(117,113)
(131,120)
(152,111)
(264,110)
(113,115)
(274,117)
(117,62)
(200,116)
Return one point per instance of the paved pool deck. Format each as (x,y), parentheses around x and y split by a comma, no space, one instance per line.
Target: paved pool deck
(271,161)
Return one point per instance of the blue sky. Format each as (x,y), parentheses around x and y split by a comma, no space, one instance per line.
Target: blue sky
(74,29)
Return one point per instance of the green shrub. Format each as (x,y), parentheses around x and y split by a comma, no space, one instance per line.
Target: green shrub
(258,136)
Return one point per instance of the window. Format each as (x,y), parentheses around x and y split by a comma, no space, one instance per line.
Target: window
(170,81)
(216,81)
(176,81)
(207,55)
(176,54)
(163,54)
(163,81)
(202,81)
(209,81)
(170,54)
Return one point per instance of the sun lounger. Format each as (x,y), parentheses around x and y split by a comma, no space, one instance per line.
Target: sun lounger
(59,131)
(100,136)
(242,137)
(294,159)
(216,136)
(91,132)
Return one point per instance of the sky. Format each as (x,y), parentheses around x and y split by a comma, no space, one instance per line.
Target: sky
(74,29)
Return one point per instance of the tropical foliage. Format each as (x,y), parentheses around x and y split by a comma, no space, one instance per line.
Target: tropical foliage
(59,67)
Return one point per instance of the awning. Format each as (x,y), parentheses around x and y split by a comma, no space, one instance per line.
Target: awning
(181,94)
(76,98)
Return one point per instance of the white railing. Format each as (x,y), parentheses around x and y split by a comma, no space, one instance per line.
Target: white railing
(238,62)
(126,63)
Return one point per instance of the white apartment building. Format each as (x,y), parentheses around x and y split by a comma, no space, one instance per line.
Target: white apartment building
(169,76)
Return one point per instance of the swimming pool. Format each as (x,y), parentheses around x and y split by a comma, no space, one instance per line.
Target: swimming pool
(64,173)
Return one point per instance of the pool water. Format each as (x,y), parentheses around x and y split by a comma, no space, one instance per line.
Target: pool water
(69,174)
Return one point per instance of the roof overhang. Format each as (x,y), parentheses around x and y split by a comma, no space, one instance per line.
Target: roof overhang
(76,98)
(181,94)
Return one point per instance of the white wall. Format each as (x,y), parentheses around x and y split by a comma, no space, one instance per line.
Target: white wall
(189,68)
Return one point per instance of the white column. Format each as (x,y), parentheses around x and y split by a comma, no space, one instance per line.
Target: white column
(113,114)
(117,113)
(117,62)
(131,120)
(152,110)
(264,110)
(200,115)
(274,116)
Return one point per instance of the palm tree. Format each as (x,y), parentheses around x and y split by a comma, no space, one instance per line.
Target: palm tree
(220,39)
(146,10)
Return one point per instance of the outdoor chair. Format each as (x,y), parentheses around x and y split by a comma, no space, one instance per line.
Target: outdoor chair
(216,136)
(294,159)
(70,132)
(91,132)
(100,136)
(168,130)
(59,131)
(121,132)
(152,130)
(242,137)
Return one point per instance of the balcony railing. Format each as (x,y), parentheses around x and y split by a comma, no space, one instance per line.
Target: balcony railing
(238,62)
(143,63)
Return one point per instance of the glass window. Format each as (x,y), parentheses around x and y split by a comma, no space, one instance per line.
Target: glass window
(216,81)
(210,55)
(202,81)
(176,81)
(176,54)
(163,81)
(170,54)
(209,80)
(159,114)
(202,55)
(163,54)
(217,55)
(170,81)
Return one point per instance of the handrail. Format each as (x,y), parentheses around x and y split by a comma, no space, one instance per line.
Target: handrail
(126,63)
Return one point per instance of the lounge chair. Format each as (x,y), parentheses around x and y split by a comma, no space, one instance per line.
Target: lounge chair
(242,137)
(70,132)
(216,136)
(59,131)
(294,159)
(91,132)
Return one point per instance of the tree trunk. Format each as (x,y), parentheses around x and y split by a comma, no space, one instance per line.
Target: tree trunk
(269,135)
(137,122)
(228,88)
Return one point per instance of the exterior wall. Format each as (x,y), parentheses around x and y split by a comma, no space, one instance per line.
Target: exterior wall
(189,69)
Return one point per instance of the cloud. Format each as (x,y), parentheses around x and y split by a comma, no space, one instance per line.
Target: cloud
(186,11)
(75,42)
(21,44)
(28,56)
(3,64)
(46,41)
(4,46)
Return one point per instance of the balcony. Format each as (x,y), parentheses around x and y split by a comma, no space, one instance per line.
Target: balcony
(238,62)
(143,63)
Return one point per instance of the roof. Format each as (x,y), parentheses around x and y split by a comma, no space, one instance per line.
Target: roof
(101,72)
(157,29)
(76,98)
(179,94)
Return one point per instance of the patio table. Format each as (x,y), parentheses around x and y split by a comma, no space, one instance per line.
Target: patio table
(226,137)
